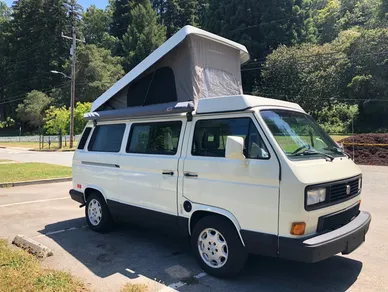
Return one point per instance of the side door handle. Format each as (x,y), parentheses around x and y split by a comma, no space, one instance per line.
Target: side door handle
(191,174)
(168,173)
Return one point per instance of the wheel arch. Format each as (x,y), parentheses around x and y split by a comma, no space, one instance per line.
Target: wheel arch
(200,212)
(92,189)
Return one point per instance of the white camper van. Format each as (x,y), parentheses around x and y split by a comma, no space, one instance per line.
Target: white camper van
(175,143)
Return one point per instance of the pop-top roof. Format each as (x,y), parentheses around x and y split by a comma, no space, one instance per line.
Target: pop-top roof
(168,47)
(241,103)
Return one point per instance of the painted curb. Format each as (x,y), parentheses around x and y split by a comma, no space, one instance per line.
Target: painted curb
(34,182)
(32,246)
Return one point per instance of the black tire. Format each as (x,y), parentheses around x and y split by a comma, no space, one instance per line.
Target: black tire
(105,223)
(237,254)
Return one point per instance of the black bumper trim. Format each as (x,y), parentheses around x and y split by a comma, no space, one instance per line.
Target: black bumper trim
(342,240)
(77,196)
(260,243)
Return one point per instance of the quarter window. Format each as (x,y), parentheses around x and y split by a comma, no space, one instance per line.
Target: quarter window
(84,138)
(210,138)
(107,138)
(154,138)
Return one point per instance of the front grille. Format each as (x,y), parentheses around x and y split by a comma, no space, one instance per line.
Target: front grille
(337,192)
(336,220)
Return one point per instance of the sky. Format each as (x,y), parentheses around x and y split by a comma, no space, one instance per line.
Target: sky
(85,3)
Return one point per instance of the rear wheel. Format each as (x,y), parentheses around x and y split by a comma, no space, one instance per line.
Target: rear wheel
(97,213)
(217,247)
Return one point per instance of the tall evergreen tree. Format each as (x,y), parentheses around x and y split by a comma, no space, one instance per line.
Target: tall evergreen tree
(97,70)
(37,45)
(175,14)
(143,36)
(120,17)
(383,11)
(95,25)
(5,18)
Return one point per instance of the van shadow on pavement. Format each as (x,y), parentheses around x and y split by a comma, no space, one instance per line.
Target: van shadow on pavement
(152,254)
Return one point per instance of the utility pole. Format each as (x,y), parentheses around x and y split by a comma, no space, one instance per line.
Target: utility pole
(74,59)
(73,11)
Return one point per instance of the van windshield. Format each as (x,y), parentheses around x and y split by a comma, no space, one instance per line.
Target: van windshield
(299,135)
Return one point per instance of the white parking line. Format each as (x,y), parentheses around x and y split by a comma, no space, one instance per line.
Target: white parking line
(32,202)
(180,284)
(60,231)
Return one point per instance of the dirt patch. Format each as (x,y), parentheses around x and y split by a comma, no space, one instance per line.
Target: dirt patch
(369,149)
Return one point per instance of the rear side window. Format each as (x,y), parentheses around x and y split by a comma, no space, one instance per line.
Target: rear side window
(154,138)
(84,138)
(107,138)
(210,138)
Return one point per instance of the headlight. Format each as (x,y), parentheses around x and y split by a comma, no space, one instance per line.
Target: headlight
(315,196)
(359,183)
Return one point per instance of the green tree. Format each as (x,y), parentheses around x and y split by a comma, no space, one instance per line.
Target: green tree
(58,119)
(120,17)
(337,118)
(175,14)
(32,110)
(261,26)
(97,70)
(36,47)
(8,122)
(5,18)
(383,11)
(81,109)
(327,21)
(369,75)
(96,28)
(311,75)
(144,34)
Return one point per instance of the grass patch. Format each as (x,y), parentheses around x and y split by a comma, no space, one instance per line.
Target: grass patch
(5,160)
(20,271)
(31,171)
(134,288)
(20,144)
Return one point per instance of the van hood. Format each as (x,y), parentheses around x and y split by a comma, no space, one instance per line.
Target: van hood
(315,171)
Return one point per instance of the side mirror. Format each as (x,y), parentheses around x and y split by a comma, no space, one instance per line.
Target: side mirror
(234,148)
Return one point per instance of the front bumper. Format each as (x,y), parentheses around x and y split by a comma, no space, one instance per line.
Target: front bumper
(77,196)
(342,240)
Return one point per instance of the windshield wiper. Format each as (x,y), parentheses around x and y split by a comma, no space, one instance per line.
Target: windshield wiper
(312,152)
(338,150)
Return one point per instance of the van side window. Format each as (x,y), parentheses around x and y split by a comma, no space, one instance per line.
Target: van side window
(210,138)
(107,138)
(154,138)
(84,138)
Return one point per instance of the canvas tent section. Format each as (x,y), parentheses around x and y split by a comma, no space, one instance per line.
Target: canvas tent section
(191,65)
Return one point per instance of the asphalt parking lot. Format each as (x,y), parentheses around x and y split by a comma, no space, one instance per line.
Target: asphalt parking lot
(107,261)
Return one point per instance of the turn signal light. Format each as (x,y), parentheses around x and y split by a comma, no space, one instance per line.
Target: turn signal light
(298,228)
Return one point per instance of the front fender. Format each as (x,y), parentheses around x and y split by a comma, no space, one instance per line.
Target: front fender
(211,209)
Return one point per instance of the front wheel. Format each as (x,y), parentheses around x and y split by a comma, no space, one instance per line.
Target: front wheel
(217,247)
(97,213)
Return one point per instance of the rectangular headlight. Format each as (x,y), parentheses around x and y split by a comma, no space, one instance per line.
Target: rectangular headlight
(316,196)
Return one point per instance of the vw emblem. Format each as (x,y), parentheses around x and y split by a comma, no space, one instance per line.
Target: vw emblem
(348,189)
